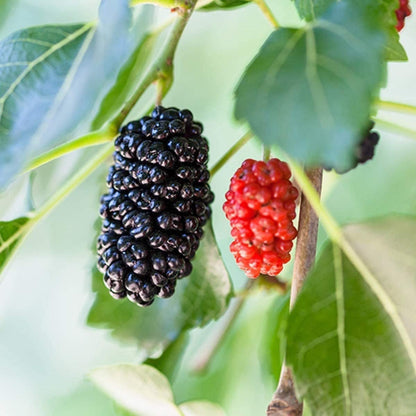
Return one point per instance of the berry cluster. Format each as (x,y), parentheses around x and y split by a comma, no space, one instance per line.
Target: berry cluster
(260,205)
(402,12)
(157,203)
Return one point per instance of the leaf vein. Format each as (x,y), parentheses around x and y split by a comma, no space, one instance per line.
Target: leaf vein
(31,41)
(38,60)
(277,64)
(315,84)
(339,293)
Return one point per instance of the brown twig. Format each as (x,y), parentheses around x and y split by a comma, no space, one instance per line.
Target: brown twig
(284,401)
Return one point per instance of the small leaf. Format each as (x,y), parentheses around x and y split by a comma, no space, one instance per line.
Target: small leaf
(311,9)
(310,90)
(394,51)
(127,80)
(140,389)
(224,4)
(201,408)
(49,82)
(352,338)
(11,235)
(199,299)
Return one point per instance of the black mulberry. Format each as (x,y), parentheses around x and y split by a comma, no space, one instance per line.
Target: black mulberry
(365,150)
(157,203)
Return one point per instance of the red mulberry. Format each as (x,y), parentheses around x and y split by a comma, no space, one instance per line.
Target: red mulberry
(260,205)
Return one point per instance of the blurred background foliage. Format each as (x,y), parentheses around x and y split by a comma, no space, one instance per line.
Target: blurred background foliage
(46,348)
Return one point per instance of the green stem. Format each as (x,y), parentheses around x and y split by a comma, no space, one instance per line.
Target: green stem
(164,83)
(398,107)
(266,153)
(395,127)
(91,139)
(61,194)
(73,182)
(231,152)
(265,9)
(162,67)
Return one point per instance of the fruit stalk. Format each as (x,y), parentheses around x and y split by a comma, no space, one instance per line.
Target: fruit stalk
(284,401)
(231,152)
(93,138)
(265,9)
(162,67)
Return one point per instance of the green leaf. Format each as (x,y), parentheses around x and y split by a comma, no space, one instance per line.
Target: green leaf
(170,360)
(140,389)
(311,9)
(394,51)
(352,338)
(201,408)
(310,90)
(11,235)
(199,299)
(49,82)
(274,336)
(224,4)
(128,77)
(34,63)
(144,391)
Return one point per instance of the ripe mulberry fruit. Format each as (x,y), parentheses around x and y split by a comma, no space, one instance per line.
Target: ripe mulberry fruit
(402,12)
(365,149)
(156,206)
(260,205)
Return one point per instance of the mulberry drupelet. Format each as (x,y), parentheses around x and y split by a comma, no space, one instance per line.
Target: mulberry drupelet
(156,206)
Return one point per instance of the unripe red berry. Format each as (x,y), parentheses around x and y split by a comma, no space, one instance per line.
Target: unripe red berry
(260,205)
(402,12)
